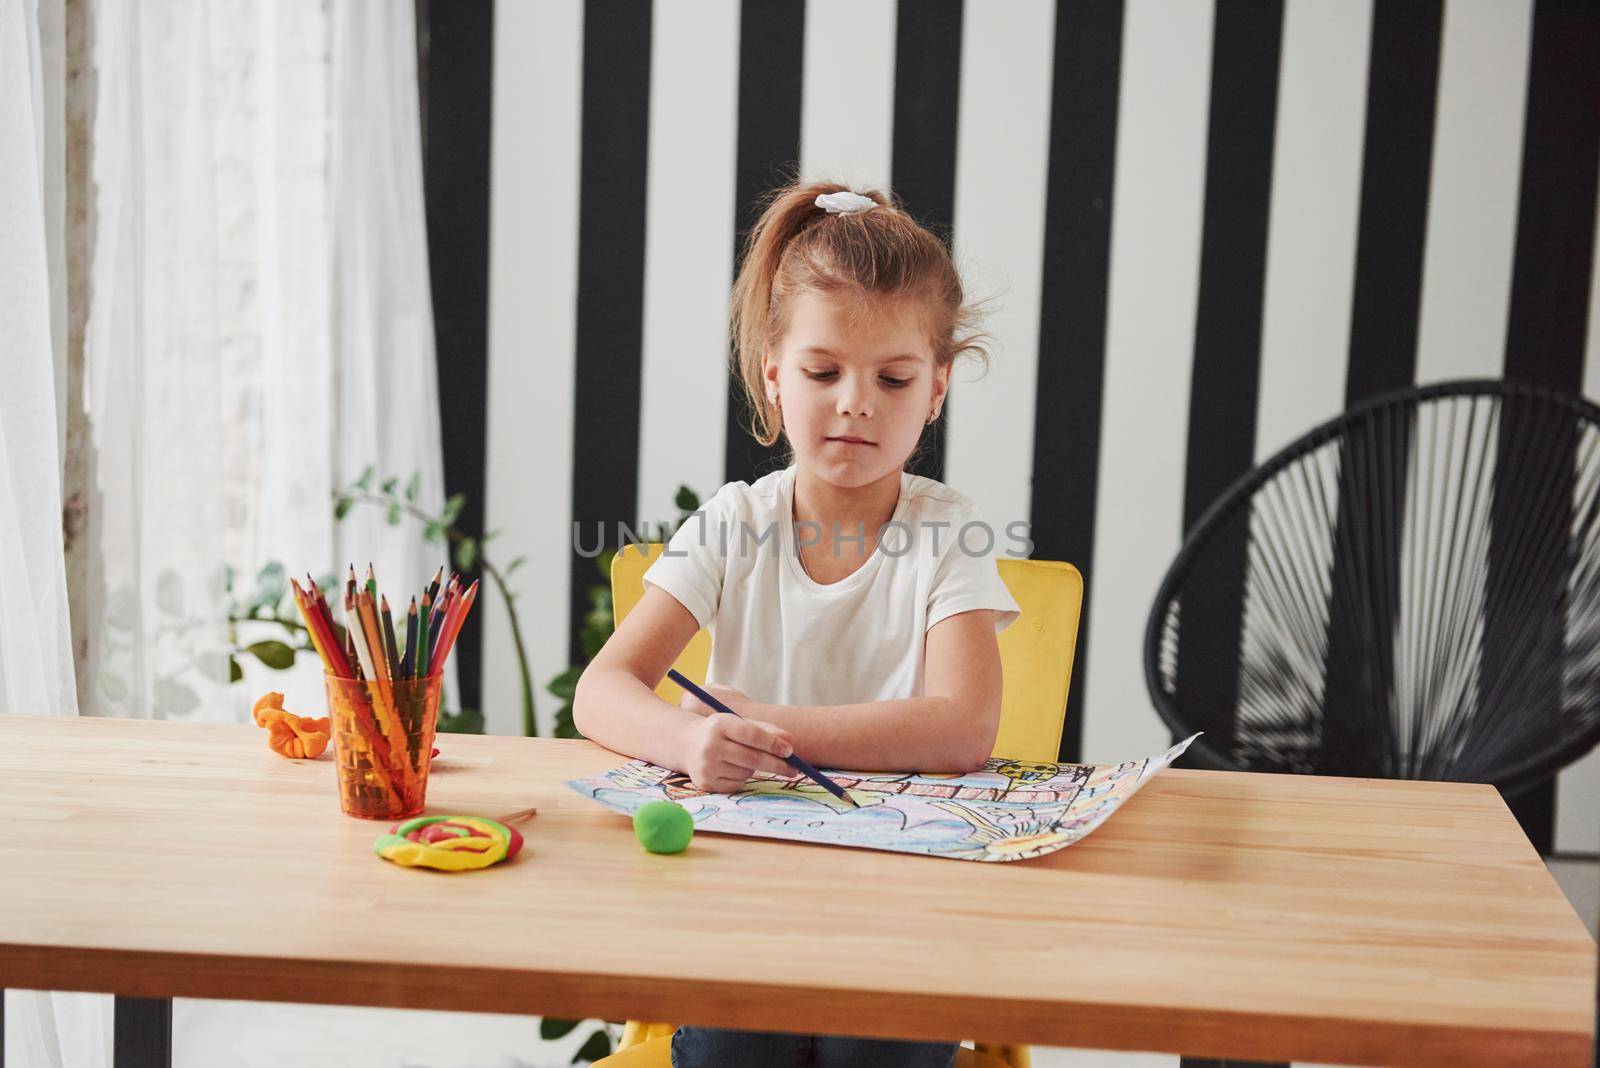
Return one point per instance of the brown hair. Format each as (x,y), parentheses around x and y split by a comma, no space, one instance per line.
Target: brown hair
(797,247)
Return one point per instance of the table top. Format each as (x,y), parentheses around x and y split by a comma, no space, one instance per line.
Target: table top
(1267,917)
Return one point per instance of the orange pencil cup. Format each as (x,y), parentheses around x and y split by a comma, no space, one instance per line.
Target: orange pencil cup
(382,738)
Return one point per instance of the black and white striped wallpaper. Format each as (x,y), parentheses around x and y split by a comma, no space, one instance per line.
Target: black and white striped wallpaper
(1205,227)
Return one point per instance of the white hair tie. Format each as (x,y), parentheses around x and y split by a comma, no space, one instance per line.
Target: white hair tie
(845,202)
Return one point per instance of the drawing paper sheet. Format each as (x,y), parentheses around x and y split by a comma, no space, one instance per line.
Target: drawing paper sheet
(1011,810)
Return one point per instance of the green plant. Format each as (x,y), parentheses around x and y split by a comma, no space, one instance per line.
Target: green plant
(469,555)
(598,622)
(597,1045)
(269,602)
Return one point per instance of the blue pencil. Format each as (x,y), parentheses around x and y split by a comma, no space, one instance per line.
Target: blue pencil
(794,761)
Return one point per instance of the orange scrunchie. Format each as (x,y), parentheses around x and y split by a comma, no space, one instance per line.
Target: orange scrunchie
(292,736)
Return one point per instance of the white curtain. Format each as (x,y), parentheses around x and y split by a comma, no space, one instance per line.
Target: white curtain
(36,675)
(35,644)
(259,330)
(156,366)
(389,401)
(290,515)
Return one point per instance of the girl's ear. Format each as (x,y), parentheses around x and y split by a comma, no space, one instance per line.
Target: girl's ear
(941,382)
(769,375)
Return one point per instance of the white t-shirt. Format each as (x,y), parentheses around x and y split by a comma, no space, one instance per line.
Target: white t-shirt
(783,638)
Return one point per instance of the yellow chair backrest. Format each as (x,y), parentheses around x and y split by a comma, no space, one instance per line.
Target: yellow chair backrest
(1036,651)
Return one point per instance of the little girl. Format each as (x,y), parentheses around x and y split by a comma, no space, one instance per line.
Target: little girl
(852,606)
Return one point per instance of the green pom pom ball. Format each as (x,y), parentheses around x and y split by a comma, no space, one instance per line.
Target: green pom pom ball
(663,827)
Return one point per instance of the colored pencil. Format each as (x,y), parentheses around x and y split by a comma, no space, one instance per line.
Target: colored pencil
(384,706)
(320,623)
(446,616)
(372,647)
(420,654)
(312,631)
(426,608)
(374,634)
(341,653)
(338,664)
(409,657)
(440,613)
(437,599)
(452,627)
(443,612)
(388,640)
(793,760)
(353,627)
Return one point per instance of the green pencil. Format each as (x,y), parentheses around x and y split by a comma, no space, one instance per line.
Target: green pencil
(388,640)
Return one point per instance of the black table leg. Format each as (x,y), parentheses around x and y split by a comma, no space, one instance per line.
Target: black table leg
(143,1033)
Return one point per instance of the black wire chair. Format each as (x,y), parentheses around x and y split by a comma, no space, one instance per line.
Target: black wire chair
(1411,590)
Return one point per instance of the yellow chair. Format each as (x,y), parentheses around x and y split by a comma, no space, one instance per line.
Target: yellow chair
(1036,654)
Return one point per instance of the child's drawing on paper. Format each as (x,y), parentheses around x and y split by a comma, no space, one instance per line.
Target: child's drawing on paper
(1011,810)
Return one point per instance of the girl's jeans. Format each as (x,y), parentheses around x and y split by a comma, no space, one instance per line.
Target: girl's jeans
(704,1047)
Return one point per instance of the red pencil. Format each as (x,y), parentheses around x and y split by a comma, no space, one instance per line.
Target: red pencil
(343,654)
(307,614)
(339,661)
(321,635)
(452,627)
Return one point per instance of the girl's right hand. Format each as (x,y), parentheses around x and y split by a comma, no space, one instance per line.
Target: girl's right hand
(722,752)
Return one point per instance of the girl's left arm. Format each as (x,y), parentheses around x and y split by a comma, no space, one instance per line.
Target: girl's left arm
(950,729)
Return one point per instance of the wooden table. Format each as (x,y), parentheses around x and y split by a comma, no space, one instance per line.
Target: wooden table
(1249,916)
